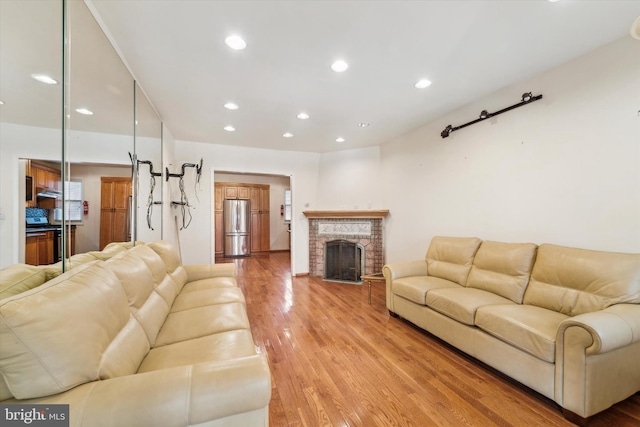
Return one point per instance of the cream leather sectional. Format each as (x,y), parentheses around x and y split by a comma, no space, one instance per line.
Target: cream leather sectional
(136,339)
(562,321)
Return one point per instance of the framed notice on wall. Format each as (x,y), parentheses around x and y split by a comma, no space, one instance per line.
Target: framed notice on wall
(287,205)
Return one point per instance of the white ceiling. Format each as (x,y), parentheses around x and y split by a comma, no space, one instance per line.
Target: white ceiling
(468,49)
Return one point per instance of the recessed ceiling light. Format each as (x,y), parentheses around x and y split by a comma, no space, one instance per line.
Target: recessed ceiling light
(339,66)
(340,139)
(287,135)
(363,124)
(84,111)
(229,128)
(235,42)
(42,78)
(303,116)
(421,84)
(1,102)
(231,106)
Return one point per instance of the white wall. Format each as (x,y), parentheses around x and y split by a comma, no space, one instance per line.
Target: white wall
(278,234)
(196,242)
(563,170)
(350,179)
(169,230)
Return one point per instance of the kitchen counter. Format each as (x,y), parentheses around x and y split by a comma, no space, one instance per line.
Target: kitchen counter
(43,244)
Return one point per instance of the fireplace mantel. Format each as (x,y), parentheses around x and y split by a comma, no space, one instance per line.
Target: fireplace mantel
(347,214)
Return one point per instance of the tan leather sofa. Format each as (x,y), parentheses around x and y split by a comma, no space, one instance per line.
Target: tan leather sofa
(137,340)
(563,321)
(18,278)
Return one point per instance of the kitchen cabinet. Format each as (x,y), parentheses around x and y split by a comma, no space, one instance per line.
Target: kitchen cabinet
(258,195)
(31,250)
(115,210)
(43,177)
(236,191)
(260,222)
(39,248)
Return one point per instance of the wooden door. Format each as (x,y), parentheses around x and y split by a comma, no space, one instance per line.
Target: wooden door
(256,240)
(218,215)
(115,210)
(265,229)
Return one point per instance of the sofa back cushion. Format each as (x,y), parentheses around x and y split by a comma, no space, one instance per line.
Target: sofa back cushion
(575,281)
(18,278)
(503,268)
(150,290)
(451,257)
(71,330)
(171,260)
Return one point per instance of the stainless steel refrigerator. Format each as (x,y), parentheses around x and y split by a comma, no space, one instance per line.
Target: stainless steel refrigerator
(237,228)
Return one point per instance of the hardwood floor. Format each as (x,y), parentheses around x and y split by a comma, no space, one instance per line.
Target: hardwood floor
(338,361)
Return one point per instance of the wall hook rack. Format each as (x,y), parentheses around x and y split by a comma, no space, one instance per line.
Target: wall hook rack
(527,98)
(152,185)
(183,167)
(184,202)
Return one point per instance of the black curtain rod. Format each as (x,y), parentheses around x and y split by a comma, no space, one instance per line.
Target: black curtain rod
(527,98)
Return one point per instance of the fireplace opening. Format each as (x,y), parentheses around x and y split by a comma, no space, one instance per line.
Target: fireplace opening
(343,261)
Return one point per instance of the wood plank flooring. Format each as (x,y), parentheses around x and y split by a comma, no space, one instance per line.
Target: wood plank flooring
(338,361)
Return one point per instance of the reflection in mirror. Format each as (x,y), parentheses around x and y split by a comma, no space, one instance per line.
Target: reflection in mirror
(148,150)
(31,44)
(99,138)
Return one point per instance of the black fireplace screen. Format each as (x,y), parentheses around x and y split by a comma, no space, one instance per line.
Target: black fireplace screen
(343,261)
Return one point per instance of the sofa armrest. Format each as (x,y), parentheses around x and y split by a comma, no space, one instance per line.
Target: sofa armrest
(405,269)
(596,359)
(207,271)
(180,396)
(614,327)
(398,270)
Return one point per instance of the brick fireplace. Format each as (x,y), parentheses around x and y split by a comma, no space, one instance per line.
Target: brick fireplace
(362,227)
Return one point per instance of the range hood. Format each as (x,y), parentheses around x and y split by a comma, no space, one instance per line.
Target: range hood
(48,193)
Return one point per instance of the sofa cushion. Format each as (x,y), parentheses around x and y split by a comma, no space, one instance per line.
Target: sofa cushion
(210,283)
(18,278)
(503,268)
(451,258)
(204,297)
(461,303)
(172,262)
(576,281)
(223,346)
(201,321)
(415,288)
(40,357)
(137,279)
(529,328)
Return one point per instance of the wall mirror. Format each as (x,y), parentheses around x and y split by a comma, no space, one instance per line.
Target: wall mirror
(149,171)
(99,137)
(95,119)
(31,89)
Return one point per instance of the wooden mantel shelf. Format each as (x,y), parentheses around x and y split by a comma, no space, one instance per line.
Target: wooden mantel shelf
(347,214)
